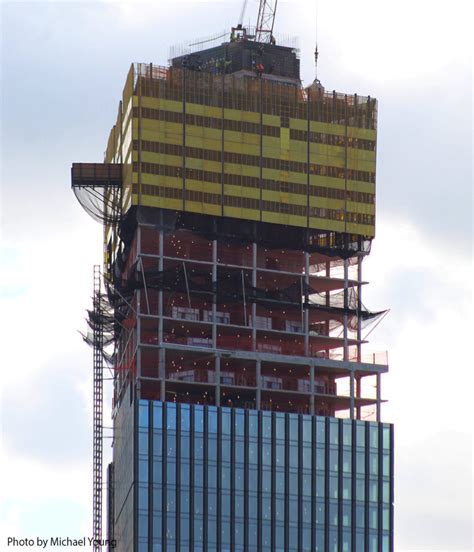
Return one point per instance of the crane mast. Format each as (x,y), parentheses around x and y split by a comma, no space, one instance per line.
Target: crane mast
(265,21)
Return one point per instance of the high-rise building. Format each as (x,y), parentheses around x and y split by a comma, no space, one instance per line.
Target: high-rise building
(238,207)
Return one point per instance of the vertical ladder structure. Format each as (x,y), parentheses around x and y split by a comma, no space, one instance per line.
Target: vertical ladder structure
(98,383)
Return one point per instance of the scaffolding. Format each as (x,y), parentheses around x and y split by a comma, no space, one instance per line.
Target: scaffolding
(98,398)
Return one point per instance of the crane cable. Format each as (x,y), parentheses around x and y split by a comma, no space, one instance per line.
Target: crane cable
(242,12)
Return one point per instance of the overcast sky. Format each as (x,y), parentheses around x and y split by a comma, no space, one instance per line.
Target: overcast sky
(63,69)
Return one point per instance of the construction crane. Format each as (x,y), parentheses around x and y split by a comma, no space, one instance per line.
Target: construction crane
(265,21)
(264,26)
(242,13)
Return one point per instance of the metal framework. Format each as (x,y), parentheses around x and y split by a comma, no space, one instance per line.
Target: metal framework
(265,21)
(210,320)
(98,382)
(97,187)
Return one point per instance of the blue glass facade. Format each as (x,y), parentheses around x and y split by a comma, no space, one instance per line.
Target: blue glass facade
(221,479)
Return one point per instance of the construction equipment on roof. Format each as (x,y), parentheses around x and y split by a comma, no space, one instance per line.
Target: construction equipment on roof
(266,21)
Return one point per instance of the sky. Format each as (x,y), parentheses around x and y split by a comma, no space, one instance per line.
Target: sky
(63,66)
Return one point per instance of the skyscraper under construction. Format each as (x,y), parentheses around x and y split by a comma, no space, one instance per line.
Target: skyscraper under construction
(238,207)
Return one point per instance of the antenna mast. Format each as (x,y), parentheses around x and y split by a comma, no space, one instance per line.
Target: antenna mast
(316,51)
(316,55)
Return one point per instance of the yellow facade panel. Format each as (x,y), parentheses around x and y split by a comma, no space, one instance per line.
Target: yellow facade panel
(203,208)
(194,206)
(171,105)
(211,166)
(338,152)
(363,208)
(296,220)
(361,229)
(275,218)
(270,195)
(294,199)
(200,186)
(327,163)
(270,143)
(245,170)
(232,146)
(159,180)
(211,209)
(297,178)
(154,103)
(128,88)
(205,135)
(160,127)
(164,134)
(250,116)
(299,124)
(285,138)
(203,110)
(126,200)
(281,176)
(203,143)
(239,137)
(272,120)
(333,161)
(327,203)
(151,125)
(298,151)
(198,109)
(326,224)
(127,175)
(354,154)
(162,159)
(327,128)
(163,202)
(327,182)
(234,212)
(364,133)
(317,151)
(360,165)
(193,131)
(127,116)
(246,214)
(240,191)
(241,115)
(284,198)
(366,187)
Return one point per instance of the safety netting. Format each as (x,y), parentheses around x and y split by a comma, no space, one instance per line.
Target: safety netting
(98,189)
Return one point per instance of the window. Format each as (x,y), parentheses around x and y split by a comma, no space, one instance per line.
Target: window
(143,415)
(333,459)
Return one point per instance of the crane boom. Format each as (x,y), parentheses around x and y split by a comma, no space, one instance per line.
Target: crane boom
(242,13)
(265,21)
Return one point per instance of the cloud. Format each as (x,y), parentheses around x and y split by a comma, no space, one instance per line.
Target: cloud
(47,418)
(433,498)
(428,386)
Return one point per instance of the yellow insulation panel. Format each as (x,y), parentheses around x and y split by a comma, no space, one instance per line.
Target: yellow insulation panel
(265,169)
